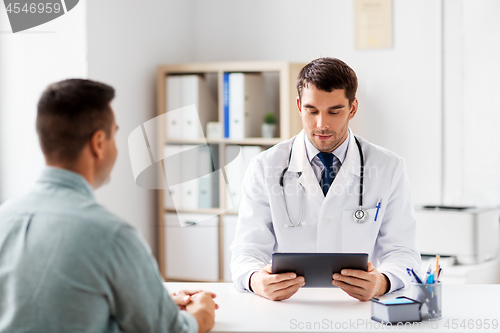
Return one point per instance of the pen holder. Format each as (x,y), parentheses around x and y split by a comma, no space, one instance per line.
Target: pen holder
(430,295)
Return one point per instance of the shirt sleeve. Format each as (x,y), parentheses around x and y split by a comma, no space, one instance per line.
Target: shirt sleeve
(397,241)
(138,300)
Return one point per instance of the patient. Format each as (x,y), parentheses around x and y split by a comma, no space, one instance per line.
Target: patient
(66,263)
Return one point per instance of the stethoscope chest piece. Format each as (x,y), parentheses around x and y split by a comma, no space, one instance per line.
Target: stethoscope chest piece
(360,215)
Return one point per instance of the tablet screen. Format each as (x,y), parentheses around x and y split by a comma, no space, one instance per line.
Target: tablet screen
(318,268)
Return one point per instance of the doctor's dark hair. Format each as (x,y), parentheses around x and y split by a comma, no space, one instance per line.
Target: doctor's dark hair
(327,74)
(69,113)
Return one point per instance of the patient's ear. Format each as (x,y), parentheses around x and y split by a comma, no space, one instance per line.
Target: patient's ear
(97,146)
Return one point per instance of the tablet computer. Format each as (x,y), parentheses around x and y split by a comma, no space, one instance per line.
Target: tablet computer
(318,268)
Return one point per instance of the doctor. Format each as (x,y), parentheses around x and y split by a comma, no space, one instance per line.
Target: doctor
(311,194)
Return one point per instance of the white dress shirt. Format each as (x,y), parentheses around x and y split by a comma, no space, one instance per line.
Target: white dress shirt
(339,156)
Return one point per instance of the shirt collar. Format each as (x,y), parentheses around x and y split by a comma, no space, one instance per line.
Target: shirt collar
(66,178)
(340,152)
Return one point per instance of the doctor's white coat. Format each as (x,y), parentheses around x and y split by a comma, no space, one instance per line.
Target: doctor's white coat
(328,221)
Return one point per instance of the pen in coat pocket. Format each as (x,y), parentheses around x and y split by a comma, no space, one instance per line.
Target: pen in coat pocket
(378,208)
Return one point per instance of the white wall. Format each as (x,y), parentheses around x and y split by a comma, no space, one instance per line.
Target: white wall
(126,43)
(472,102)
(399,88)
(29,61)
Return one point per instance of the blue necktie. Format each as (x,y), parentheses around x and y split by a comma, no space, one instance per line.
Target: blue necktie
(328,175)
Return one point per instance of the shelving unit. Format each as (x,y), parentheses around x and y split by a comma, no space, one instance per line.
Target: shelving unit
(289,125)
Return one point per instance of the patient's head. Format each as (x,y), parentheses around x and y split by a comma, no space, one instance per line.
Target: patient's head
(76,127)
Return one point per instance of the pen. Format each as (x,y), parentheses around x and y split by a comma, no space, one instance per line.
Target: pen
(412,273)
(378,207)
(429,270)
(437,266)
(409,273)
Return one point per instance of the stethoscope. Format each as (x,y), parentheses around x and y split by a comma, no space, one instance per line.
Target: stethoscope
(359,216)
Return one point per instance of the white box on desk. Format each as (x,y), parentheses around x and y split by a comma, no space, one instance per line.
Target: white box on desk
(472,235)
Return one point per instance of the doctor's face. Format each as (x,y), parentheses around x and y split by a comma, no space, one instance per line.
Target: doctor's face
(325,116)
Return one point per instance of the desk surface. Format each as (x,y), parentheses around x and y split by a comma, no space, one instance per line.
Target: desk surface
(468,308)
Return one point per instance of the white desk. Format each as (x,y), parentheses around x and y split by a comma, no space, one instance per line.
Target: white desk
(331,310)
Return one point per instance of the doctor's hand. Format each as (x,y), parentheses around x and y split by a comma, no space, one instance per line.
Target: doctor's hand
(275,287)
(360,284)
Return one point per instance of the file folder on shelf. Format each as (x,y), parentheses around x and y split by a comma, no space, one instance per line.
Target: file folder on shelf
(237,161)
(173,125)
(246,105)
(184,90)
(171,193)
(192,173)
(235,169)
(225,87)
(208,164)
(189,172)
(181,168)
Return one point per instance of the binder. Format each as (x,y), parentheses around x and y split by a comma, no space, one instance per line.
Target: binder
(226,104)
(246,105)
(235,170)
(194,90)
(208,165)
(205,170)
(182,176)
(172,194)
(237,161)
(249,152)
(217,173)
(185,90)
(173,93)
(189,176)
(236,106)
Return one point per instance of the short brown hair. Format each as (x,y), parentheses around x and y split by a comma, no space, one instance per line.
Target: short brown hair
(69,113)
(327,74)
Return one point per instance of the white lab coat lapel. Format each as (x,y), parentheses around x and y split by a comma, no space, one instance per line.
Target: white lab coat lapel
(300,163)
(349,169)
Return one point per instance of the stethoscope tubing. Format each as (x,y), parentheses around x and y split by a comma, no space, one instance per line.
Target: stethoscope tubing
(361,185)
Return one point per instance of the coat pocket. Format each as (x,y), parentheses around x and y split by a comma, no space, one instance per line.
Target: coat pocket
(359,237)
